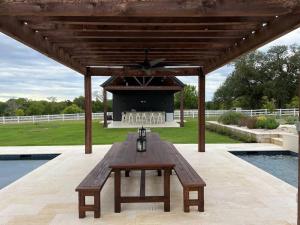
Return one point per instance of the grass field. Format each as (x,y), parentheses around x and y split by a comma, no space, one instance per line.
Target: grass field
(72,133)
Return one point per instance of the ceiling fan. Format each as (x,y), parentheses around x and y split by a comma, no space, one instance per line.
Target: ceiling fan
(150,66)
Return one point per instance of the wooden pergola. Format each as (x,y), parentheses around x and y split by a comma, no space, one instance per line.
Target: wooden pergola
(97,38)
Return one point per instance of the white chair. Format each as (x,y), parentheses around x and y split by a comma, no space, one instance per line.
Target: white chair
(144,118)
(130,118)
(123,117)
(160,118)
(138,118)
(152,118)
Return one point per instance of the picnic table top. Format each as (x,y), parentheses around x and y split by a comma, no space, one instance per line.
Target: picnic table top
(156,155)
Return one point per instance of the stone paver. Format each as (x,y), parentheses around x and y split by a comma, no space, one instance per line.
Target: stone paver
(237,192)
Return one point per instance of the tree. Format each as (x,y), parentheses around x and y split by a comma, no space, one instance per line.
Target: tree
(20,112)
(273,74)
(72,109)
(268,104)
(79,101)
(294,103)
(190,98)
(36,108)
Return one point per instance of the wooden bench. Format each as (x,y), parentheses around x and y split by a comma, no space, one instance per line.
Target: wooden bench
(189,179)
(94,182)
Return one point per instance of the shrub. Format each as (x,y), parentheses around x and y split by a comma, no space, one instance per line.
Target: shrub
(243,122)
(251,122)
(231,118)
(291,120)
(271,123)
(261,121)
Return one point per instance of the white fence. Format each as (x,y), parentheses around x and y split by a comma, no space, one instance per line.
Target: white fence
(99,116)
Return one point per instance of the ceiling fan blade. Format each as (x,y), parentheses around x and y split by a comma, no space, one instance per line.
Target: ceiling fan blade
(154,62)
(147,71)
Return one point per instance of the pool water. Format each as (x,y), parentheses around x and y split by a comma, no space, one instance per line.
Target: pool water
(13,167)
(282,164)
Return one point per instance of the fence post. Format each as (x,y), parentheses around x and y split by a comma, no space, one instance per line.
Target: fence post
(32,118)
(251,113)
(18,119)
(3,119)
(63,117)
(48,118)
(280,112)
(266,111)
(193,114)
(294,112)
(77,116)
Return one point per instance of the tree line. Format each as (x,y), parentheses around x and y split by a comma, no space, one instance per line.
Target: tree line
(27,107)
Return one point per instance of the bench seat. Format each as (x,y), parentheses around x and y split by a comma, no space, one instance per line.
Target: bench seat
(93,183)
(189,179)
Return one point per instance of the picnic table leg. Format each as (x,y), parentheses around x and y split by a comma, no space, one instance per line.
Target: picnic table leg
(167,190)
(117,191)
(127,173)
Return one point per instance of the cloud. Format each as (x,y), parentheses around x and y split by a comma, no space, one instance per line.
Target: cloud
(25,72)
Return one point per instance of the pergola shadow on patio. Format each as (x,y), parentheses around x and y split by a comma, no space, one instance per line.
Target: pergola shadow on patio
(108,38)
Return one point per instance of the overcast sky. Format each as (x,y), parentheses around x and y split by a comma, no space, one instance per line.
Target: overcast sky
(29,74)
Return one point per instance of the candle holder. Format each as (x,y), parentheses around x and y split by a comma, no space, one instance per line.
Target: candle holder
(141,140)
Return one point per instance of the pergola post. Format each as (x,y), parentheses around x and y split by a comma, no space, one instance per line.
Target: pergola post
(181,107)
(298,199)
(201,111)
(104,108)
(88,111)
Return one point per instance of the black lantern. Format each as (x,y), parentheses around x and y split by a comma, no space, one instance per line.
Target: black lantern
(141,144)
(142,133)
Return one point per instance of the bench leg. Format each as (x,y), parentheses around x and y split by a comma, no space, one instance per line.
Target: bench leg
(83,207)
(186,198)
(187,202)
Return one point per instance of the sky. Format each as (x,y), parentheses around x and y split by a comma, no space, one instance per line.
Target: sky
(26,73)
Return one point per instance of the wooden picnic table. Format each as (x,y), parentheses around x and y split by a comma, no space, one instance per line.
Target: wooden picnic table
(160,155)
(155,158)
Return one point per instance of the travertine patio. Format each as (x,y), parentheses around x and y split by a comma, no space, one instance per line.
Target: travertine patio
(237,193)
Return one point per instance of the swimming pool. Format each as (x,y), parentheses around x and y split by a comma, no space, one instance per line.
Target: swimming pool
(12,167)
(281,164)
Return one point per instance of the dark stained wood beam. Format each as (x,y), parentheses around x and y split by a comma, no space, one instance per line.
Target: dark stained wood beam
(50,27)
(148,21)
(141,34)
(143,88)
(105,108)
(150,45)
(88,111)
(15,29)
(75,40)
(278,27)
(201,111)
(158,8)
(127,72)
(182,107)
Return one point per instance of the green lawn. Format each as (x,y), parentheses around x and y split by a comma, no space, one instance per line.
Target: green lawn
(72,133)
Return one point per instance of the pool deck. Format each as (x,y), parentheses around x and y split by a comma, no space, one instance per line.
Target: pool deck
(237,192)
